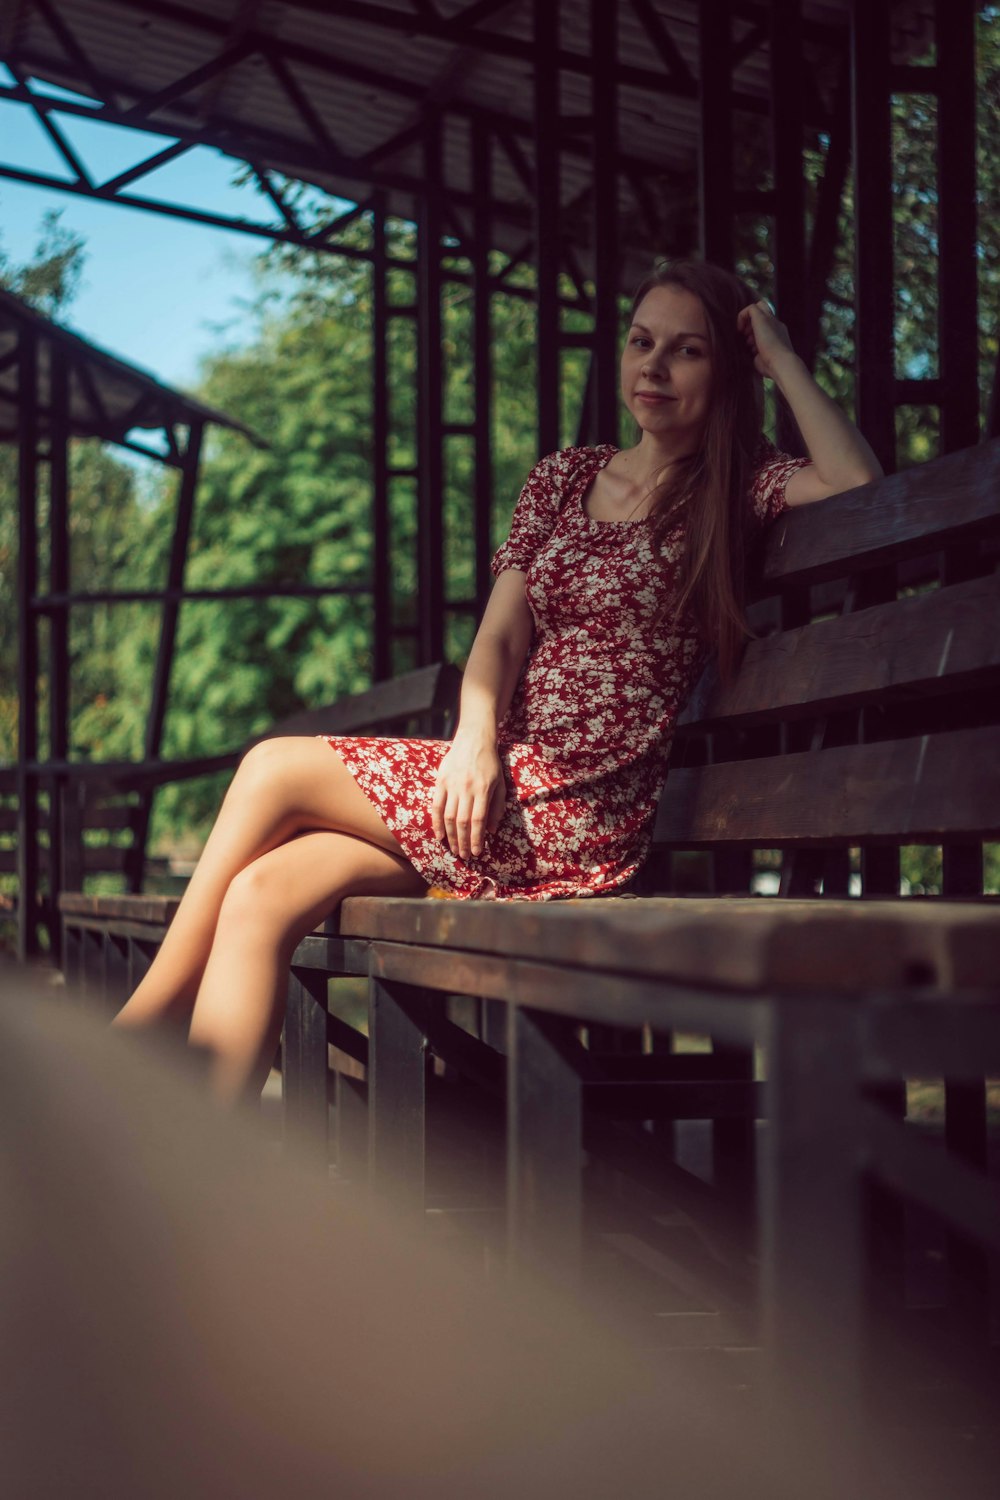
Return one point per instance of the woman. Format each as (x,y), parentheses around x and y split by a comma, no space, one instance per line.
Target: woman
(621,572)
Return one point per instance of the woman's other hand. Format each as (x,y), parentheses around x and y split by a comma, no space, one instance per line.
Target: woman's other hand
(767,338)
(469,794)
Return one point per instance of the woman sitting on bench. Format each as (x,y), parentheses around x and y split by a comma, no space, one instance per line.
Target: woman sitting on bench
(622,572)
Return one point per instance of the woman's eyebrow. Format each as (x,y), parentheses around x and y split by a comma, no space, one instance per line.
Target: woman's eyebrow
(691,335)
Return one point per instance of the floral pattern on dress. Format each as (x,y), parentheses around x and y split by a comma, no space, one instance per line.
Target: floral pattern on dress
(585,741)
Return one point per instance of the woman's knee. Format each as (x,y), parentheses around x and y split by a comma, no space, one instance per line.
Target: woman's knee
(258,903)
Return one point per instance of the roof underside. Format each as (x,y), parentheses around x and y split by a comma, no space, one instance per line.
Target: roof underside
(337,92)
(107,398)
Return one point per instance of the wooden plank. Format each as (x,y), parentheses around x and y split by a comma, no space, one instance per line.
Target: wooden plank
(901,790)
(812,1282)
(675,1101)
(426,691)
(304,1061)
(727,943)
(572,992)
(921,646)
(923,508)
(544,1145)
(159,909)
(397,1062)
(925,1171)
(931,1037)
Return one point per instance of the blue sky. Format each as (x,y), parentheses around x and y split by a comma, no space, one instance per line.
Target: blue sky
(155,289)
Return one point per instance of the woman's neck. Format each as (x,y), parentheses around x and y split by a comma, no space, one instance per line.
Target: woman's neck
(649,463)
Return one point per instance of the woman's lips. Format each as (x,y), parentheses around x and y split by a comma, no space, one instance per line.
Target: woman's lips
(652,398)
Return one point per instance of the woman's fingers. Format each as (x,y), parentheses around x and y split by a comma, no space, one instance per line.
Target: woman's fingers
(498,804)
(438,800)
(463,804)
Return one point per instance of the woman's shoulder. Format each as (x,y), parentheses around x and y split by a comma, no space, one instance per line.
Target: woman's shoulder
(770,472)
(568,460)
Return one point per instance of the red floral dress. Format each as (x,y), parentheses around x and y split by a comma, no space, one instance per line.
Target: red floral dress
(585,741)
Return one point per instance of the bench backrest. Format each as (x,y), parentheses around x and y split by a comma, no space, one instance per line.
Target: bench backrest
(868,717)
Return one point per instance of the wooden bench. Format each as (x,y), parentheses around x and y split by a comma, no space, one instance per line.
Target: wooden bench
(866,720)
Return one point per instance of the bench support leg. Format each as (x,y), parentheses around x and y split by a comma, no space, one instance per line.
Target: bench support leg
(397,1064)
(813,1285)
(544,1145)
(304,1060)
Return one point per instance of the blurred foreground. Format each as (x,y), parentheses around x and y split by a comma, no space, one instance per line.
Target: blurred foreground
(181,1314)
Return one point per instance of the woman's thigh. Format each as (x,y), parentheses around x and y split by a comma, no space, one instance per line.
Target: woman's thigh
(306,781)
(289,890)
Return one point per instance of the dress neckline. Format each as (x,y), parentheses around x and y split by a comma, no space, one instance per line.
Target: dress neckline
(605,453)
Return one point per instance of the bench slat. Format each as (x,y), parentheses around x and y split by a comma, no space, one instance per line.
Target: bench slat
(723,942)
(428,690)
(920,510)
(931,643)
(921,791)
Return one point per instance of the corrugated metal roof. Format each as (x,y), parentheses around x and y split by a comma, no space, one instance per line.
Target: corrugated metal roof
(369,69)
(107,397)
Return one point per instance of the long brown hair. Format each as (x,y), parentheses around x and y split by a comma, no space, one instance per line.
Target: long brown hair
(714,482)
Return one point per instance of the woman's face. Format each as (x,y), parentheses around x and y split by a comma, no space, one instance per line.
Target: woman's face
(667,365)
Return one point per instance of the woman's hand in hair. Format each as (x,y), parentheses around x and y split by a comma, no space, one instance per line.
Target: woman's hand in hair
(767,338)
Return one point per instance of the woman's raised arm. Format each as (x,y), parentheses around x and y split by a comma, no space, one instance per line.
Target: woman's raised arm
(469,794)
(841,459)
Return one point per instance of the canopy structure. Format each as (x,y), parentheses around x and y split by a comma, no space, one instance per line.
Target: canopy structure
(55,386)
(549,149)
(105,397)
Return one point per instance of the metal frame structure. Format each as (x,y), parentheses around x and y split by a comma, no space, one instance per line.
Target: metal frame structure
(59,387)
(578,138)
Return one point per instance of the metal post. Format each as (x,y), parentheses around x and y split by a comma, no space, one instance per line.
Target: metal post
(547,227)
(135,859)
(59,583)
(381,562)
(955,24)
(874,280)
(787,139)
(482,357)
(715,163)
(430,387)
(825,231)
(27,656)
(604,104)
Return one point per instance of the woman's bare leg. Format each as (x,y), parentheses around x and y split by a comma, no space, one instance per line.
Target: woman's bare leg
(268,908)
(281,787)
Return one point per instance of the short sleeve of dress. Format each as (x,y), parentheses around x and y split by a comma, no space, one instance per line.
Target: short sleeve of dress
(535,515)
(767,489)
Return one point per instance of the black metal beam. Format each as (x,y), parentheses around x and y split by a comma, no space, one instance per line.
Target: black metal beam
(545,20)
(606,213)
(825,228)
(381,538)
(27,656)
(59,582)
(715,164)
(787,144)
(874,270)
(173,593)
(481,146)
(958,334)
(430,397)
